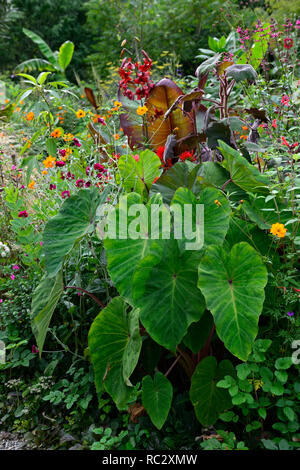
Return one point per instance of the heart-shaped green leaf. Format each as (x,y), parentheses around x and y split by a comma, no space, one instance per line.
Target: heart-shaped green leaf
(75,218)
(209,400)
(233,286)
(216,212)
(164,287)
(122,251)
(157,398)
(138,174)
(242,172)
(44,301)
(115,343)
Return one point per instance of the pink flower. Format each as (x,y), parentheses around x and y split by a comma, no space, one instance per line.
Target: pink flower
(23,214)
(13,167)
(52,186)
(34,349)
(1,300)
(65,194)
(79,183)
(12,276)
(16,267)
(62,152)
(98,166)
(60,163)
(76,142)
(41,243)
(101,121)
(136,157)
(285,100)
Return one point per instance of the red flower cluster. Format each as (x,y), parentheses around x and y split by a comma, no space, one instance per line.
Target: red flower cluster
(187,155)
(288,43)
(23,214)
(142,77)
(290,146)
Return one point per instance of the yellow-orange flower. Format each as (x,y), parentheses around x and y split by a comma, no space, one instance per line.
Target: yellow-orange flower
(278,229)
(217,202)
(116,136)
(44,172)
(56,133)
(118,103)
(141,110)
(49,162)
(31,184)
(30,116)
(80,113)
(68,137)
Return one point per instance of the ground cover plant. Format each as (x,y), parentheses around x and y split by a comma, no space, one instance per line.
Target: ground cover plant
(149,284)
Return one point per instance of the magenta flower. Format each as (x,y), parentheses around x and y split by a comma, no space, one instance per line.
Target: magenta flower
(16,267)
(76,142)
(52,186)
(87,184)
(98,166)
(65,194)
(41,243)
(290,314)
(13,167)
(62,152)
(59,163)
(23,214)
(12,276)
(101,121)
(79,183)
(1,300)
(34,349)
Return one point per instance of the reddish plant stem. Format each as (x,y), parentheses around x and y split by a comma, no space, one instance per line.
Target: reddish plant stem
(88,293)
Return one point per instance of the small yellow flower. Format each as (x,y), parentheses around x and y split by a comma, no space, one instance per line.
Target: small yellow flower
(217,202)
(80,113)
(118,104)
(56,133)
(278,230)
(31,184)
(44,172)
(68,137)
(141,110)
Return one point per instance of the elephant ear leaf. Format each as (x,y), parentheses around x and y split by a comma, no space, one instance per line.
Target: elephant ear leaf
(44,301)
(115,344)
(233,286)
(157,398)
(210,401)
(75,218)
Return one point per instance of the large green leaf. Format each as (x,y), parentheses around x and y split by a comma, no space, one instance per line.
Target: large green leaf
(265,213)
(242,173)
(157,398)
(210,401)
(123,254)
(44,301)
(138,175)
(180,175)
(65,54)
(233,286)
(43,46)
(216,217)
(75,218)
(164,288)
(115,343)
(198,332)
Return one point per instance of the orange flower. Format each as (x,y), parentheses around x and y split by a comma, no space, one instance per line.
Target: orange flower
(278,230)
(49,162)
(68,137)
(31,184)
(56,133)
(44,172)
(116,136)
(80,113)
(30,116)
